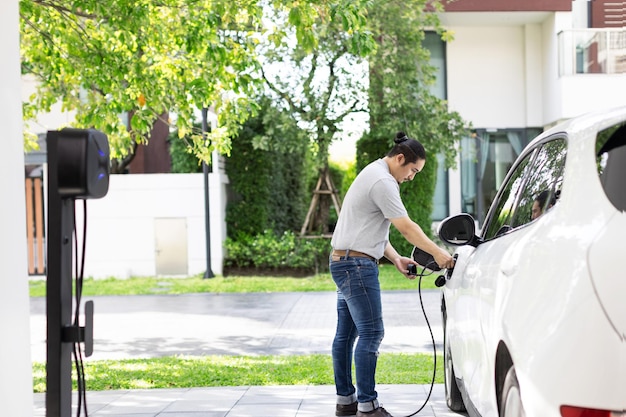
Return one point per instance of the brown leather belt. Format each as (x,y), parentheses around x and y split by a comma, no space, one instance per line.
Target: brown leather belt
(352,253)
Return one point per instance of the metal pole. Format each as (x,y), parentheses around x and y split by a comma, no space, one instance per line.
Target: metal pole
(207,217)
(58,294)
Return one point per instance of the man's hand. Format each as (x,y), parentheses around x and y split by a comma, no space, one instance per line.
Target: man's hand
(444,259)
(402,265)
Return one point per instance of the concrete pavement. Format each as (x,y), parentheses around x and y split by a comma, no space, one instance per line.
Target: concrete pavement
(238,324)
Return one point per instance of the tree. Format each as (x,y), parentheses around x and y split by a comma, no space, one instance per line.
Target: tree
(320,87)
(142,58)
(400,77)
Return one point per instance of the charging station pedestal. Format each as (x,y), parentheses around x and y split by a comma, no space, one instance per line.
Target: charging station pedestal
(78,168)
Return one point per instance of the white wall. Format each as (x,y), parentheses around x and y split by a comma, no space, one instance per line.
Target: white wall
(503,76)
(572,95)
(583,93)
(533,71)
(16,397)
(486,73)
(551,84)
(121,225)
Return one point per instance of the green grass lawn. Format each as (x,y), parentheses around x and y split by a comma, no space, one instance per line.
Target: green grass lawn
(390,279)
(219,371)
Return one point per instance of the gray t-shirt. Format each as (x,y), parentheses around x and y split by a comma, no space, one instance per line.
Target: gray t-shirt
(373,199)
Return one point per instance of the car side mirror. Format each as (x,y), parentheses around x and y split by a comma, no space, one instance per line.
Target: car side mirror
(459,230)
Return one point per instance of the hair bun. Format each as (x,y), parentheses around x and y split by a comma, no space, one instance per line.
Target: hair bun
(400,137)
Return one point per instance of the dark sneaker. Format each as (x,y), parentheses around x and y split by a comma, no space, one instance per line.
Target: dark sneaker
(348,410)
(379,412)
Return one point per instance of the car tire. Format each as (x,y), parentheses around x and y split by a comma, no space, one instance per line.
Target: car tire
(454,400)
(511,400)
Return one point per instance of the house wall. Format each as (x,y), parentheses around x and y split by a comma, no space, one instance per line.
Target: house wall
(486,75)
(16,389)
(552,106)
(509,5)
(568,96)
(584,93)
(503,70)
(122,226)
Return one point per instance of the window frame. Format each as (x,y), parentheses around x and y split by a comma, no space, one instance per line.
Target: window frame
(530,154)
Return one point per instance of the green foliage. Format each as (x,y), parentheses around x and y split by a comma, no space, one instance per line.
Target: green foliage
(140,58)
(319,84)
(349,174)
(223,371)
(271,251)
(267,180)
(181,153)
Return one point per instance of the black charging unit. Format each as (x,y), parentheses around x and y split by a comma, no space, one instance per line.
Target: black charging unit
(78,168)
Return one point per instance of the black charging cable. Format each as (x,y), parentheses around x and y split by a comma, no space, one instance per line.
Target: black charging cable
(78,290)
(420,275)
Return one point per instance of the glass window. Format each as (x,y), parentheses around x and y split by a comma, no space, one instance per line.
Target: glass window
(485,160)
(532,189)
(469,180)
(543,186)
(498,152)
(500,214)
(437,48)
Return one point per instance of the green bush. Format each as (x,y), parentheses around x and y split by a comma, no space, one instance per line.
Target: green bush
(267,184)
(271,251)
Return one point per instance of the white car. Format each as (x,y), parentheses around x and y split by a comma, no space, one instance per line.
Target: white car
(534,311)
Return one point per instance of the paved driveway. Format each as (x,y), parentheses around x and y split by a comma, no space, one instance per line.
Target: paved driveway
(238,324)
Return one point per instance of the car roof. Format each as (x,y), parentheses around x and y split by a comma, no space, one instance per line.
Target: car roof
(596,120)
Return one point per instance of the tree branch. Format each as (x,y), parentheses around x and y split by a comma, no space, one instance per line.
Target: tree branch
(292,105)
(64,10)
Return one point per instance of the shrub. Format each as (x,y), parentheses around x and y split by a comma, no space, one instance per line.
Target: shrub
(267,185)
(271,251)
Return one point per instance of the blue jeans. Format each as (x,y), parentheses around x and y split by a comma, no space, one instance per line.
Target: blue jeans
(359,313)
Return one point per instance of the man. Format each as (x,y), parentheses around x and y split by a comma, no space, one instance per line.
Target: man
(361,237)
(539,204)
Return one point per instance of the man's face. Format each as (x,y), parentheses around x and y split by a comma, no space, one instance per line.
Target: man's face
(407,172)
(535,211)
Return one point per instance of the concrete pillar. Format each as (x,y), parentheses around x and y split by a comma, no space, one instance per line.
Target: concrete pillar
(16,396)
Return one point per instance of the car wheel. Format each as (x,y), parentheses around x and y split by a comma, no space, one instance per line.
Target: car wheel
(511,401)
(453,394)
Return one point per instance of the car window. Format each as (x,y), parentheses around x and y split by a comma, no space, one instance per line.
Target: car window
(611,158)
(543,186)
(497,221)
